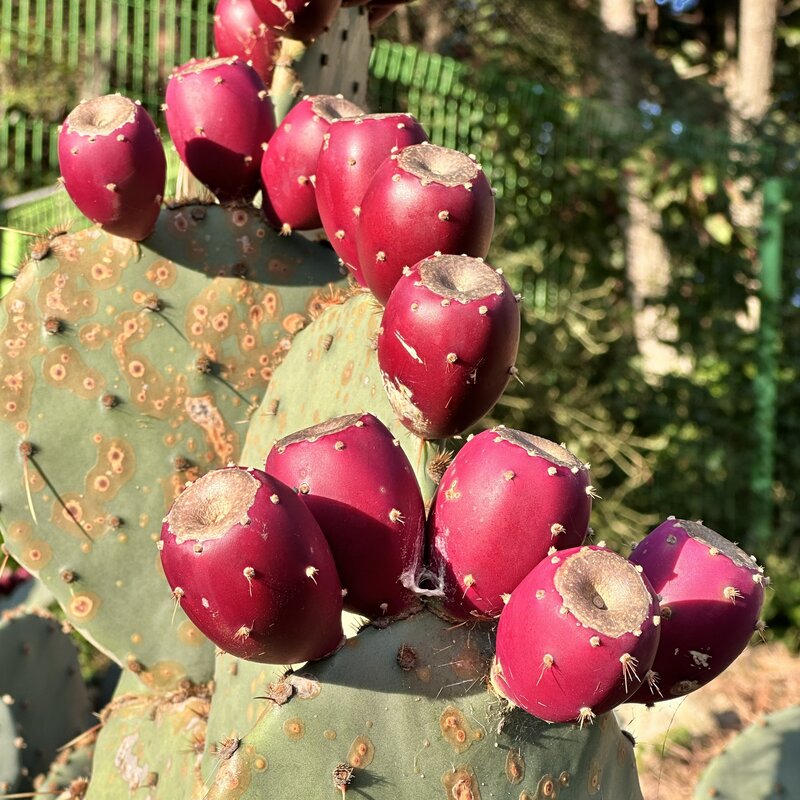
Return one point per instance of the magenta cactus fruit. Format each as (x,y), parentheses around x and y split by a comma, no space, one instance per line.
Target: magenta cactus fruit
(358,483)
(576,636)
(11,579)
(506,491)
(353,150)
(297,19)
(289,165)
(113,165)
(220,118)
(422,200)
(447,344)
(711,595)
(239,31)
(251,569)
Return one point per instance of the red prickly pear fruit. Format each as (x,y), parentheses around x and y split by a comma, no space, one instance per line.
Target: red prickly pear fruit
(304,20)
(251,569)
(711,595)
(351,153)
(289,166)
(576,636)
(220,118)
(10,580)
(239,31)
(358,483)
(113,165)
(505,491)
(447,344)
(422,200)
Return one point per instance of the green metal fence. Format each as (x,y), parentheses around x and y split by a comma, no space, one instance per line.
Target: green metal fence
(697,442)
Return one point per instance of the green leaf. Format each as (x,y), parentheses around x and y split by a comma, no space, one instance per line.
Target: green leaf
(719,228)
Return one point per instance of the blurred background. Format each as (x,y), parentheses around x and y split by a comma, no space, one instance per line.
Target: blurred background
(644,155)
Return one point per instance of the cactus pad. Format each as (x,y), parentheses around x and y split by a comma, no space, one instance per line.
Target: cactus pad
(337,62)
(404,712)
(41,684)
(759,764)
(10,754)
(125,370)
(150,744)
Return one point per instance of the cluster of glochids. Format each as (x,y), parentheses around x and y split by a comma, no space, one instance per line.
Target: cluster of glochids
(264,561)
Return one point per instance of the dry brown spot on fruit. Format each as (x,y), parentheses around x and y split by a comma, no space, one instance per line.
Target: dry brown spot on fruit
(452,492)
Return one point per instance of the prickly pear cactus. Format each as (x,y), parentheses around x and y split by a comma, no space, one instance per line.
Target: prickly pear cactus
(337,62)
(403,712)
(10,753)
(759,764)
(151,743)
(125,370)
(41,684)
(71,768)
(332,370)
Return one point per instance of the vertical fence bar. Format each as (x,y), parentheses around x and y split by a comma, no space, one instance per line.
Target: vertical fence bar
(765,382)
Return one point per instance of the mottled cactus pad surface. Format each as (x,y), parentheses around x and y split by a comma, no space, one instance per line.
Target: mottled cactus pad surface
(402,712)
(151,744)
(125,370)
(332,370)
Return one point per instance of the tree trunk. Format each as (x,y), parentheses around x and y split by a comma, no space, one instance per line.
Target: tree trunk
(757,22)
(646,255)
(619,17)
(749,93)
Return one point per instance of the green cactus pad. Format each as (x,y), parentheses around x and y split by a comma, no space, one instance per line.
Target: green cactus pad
(150,744)
(404,713)
(41,683)
(125,370)
(761,763)
(336,63)
(71,764)
(10,753)
(332,370)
